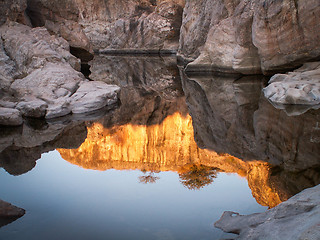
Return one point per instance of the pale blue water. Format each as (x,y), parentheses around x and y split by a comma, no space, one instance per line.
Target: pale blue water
(63,201)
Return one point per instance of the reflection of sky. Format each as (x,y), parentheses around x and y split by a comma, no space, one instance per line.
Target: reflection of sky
(63,201)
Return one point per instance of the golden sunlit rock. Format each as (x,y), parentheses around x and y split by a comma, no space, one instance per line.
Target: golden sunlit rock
(168,146)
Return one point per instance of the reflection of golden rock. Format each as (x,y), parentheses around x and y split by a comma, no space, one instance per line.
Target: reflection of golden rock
(168,146)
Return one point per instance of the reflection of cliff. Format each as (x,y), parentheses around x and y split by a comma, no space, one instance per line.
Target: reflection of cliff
(229,115)
(168,146)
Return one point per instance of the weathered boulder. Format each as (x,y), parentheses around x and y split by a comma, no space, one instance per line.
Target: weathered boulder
(297,218)
(9,213)
(9,116)
(301,86)
(142,24)
(249,36)
(40,72)
(92,96)
(32,48)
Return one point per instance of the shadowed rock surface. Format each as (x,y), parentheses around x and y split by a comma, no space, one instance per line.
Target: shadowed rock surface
(134,24)
(297,218)
(230,116)
(9,213)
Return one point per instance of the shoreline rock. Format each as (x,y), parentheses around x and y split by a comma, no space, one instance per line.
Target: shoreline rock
(300,87)
(297,218)
(42,78)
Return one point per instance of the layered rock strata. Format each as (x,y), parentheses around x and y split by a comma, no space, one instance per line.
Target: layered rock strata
(297,218)
(42,79)
(249,36)
(134,24)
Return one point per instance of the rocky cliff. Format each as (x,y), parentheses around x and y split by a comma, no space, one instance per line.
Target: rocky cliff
(249,36)
(101,24)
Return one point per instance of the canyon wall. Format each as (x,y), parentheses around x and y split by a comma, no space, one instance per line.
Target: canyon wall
(104,24)
(249,36)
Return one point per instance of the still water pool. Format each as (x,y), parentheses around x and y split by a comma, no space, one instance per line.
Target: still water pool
(64,201)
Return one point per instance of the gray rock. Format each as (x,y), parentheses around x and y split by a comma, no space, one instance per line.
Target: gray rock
(297,218)
(299,87)
(130,24)
(10,117)
(35,109)
(92,96)
(58,108)
(249,36)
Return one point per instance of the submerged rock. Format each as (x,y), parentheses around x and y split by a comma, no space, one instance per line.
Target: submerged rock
(301,86)
(297,218)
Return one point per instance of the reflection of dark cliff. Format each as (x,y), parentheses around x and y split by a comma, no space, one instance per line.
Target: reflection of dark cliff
(20,148)
(230,116)
(9,213)
(150,88)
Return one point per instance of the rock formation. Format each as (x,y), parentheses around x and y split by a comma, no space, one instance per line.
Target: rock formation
(249,36)
(299,87)
(43,78)
(134,24)
(297,218)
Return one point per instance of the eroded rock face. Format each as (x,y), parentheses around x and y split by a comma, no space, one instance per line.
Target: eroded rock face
(141,24)
(299,87)
(249,36)
(297,218)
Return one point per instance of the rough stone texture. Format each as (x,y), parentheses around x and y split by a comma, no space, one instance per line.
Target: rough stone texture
(249,36)
(36,109)
(93,96)
(13,10)
(112,24)
(11,117)
(299,87)
(40,72)
(9,213)
(231,116)
(297,218)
